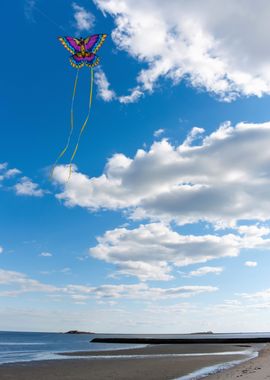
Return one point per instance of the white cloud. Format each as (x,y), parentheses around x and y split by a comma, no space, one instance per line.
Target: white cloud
(24,185)
(209,179)
(143,270)
(258,296)
(135,95)
(6,173)
(107,94)
(28,188)
(251,264)
(158,132)
(220,47)
(137,291)
(215,180)
(20,283)
(12,173)
(152,251)
(84,20)
(45,254)
(103,86)
(192,136)
(17,283)
(253,230)
(204,271)
(1,249)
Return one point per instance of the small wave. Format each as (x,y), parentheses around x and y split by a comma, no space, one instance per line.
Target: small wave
(28,358)
(144,356)
(206,371)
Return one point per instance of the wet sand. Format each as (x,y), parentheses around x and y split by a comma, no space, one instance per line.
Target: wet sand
(153,363)
(254,369)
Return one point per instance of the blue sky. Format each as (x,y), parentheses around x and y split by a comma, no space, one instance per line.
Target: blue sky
(164,223)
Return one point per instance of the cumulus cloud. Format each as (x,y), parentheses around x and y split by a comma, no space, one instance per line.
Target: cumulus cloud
(150,251)
(208,179)
(103,86)
(1,249)
(28,188)
(214,180)
(214,47)
(84,20)
(251,264)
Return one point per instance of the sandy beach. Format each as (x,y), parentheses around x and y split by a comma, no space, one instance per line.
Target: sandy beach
(254,369)
(152,362)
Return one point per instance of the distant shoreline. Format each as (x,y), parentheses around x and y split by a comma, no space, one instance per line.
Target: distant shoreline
(74,332)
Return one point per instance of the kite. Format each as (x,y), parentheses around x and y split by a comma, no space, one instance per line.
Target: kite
(83,52)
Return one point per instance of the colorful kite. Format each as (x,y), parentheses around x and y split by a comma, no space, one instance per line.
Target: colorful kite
(83,52)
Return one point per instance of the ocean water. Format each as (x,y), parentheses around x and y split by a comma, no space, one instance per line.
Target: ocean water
(30,346)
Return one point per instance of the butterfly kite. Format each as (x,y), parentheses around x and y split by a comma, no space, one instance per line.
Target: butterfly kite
(83,52)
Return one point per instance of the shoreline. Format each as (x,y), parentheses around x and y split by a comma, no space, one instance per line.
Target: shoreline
(254,369)
(168,349)
(160,362)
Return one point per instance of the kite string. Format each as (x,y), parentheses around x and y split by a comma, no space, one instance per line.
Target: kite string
(71,123)
(85,122)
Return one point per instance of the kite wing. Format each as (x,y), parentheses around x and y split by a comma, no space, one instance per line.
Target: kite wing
(94,42)
(91,61)
(78,61)
(70,43)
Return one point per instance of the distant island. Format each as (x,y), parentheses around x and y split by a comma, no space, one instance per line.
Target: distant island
(79,332)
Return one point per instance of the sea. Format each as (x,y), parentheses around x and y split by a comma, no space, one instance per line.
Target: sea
(33,346)
(19,346)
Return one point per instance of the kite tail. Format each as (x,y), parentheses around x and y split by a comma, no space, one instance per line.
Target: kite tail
(71,124)
(85,122)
